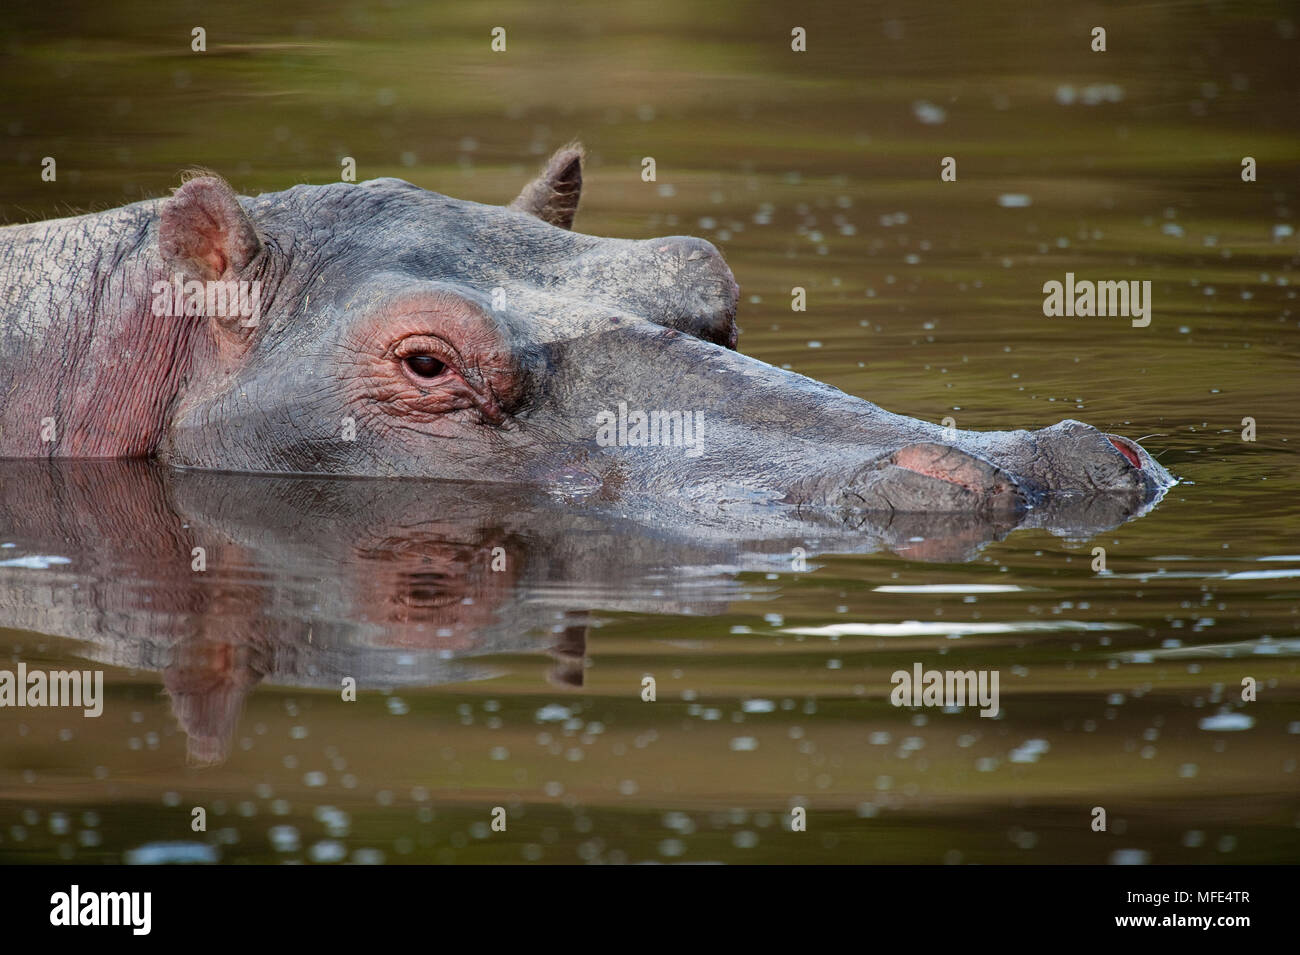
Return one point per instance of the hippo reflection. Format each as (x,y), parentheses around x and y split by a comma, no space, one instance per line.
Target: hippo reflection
(222,581)
(383,330)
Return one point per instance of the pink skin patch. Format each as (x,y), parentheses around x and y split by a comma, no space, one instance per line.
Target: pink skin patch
(1127,452)
(948,464)
(469,364)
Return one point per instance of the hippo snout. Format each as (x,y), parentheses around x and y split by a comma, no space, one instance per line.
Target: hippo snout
(994,473)
(1076,457)
(1155,479)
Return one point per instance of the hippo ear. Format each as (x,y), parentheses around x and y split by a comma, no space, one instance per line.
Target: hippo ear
(204,231)
(553,196)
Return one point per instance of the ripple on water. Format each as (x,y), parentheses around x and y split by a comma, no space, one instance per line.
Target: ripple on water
(165,853)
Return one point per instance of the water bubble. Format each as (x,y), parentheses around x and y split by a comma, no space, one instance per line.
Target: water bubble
(552,712)
(928,113)
(1130,857)
(672,848)
(327,850)
(284,838)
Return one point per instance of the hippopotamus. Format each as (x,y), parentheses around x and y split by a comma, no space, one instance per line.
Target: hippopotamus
(379,329)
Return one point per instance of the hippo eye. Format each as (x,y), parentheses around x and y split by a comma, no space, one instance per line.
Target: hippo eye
(425,366)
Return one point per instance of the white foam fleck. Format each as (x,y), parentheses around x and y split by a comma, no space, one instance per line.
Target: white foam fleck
(918,628)
(35,562)
(948,589)
(1227,722)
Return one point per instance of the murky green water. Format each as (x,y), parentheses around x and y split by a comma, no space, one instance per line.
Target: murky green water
(521,688)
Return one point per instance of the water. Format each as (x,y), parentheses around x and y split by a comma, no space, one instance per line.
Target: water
(521,687)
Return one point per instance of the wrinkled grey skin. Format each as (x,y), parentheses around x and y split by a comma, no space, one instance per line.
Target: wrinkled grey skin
(308,580)
(578,325)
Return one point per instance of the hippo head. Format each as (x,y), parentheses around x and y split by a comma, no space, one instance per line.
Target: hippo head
(399,332)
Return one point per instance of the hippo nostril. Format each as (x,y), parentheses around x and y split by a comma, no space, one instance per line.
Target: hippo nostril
(1125,449)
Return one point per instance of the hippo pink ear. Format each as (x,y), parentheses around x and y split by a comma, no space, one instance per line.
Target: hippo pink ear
(204,231)
(553,196)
